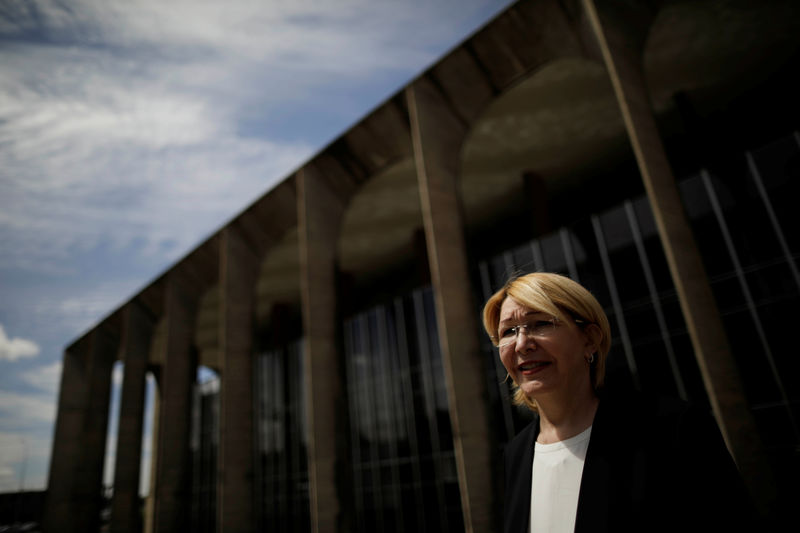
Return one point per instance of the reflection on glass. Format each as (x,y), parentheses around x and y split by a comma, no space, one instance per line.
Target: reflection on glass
(281,435)
(204,445)
(403,468)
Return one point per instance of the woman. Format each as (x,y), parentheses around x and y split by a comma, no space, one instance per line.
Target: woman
(596,459)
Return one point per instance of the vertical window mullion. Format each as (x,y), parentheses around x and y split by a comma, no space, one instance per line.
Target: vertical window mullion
(372,421)
(538,256)
(430,400)
(353,394)
(384,352)
(773,219)
(612,289)
(651,288)
(408,401)
(566,244)
(751,306)
(501,380)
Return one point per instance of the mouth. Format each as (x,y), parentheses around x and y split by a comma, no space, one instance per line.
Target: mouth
(532,367)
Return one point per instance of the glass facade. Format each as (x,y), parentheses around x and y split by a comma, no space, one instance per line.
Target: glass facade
(744,220)
(398,472)
(403,468)
(402,474)
(282,440)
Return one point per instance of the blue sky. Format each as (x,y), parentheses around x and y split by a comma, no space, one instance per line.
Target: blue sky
(131,130)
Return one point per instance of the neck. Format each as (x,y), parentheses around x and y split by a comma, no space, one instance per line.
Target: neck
(562,418)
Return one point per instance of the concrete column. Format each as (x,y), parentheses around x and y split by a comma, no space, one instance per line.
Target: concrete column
(319,216)
(79,444)
(173,493)
(137,334)
(620,30)
(437,135)
(66,438)
(238,270)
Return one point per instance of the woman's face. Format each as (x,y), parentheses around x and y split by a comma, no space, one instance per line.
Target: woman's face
(544,355)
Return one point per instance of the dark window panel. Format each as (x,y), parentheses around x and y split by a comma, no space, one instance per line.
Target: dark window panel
(399,415)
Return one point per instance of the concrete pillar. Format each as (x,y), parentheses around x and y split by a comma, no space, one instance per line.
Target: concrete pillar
(74,497)
(173,493)
(66,438)
(137,334)
(238,270)
(620,30)
(437,135)
(319,216)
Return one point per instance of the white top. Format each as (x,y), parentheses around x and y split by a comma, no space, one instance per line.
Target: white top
(557,471)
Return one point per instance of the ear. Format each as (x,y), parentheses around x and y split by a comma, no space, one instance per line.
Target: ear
(593,336)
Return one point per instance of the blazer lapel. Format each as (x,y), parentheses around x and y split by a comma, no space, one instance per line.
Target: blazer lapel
(593,498)
(519,468)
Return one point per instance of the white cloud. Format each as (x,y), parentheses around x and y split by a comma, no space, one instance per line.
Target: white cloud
(138,127)
(13,349)
(121,122)
(45,378)
(12,455)
(119,160)
(26,409)
(77,312)
(25,439)
(23,460)
(303,33)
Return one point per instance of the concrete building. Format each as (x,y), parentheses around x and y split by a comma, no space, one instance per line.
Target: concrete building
(648,149)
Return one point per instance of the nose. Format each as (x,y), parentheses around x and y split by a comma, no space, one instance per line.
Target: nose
(523,341)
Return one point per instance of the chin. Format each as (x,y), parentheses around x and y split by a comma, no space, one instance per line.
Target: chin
(532,389)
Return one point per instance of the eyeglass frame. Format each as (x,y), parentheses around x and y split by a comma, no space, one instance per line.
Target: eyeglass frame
(528,335)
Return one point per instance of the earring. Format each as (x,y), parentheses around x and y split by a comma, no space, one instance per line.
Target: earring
(590,359)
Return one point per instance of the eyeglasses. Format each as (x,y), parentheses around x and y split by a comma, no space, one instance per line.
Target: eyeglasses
(536,329)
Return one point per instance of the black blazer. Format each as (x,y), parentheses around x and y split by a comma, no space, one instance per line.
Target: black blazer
(652,465)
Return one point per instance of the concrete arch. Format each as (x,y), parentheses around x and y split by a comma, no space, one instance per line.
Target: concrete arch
(706,65)
(207,328)
(717,49)
(534,129)
(381,229)
(277,305)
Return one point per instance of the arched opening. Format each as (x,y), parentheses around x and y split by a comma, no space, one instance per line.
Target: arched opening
(381,244)
(117,374)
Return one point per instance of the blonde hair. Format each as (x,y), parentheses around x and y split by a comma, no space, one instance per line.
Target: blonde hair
(561,297)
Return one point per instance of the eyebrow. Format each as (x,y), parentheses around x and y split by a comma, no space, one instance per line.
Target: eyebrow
(527,314)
